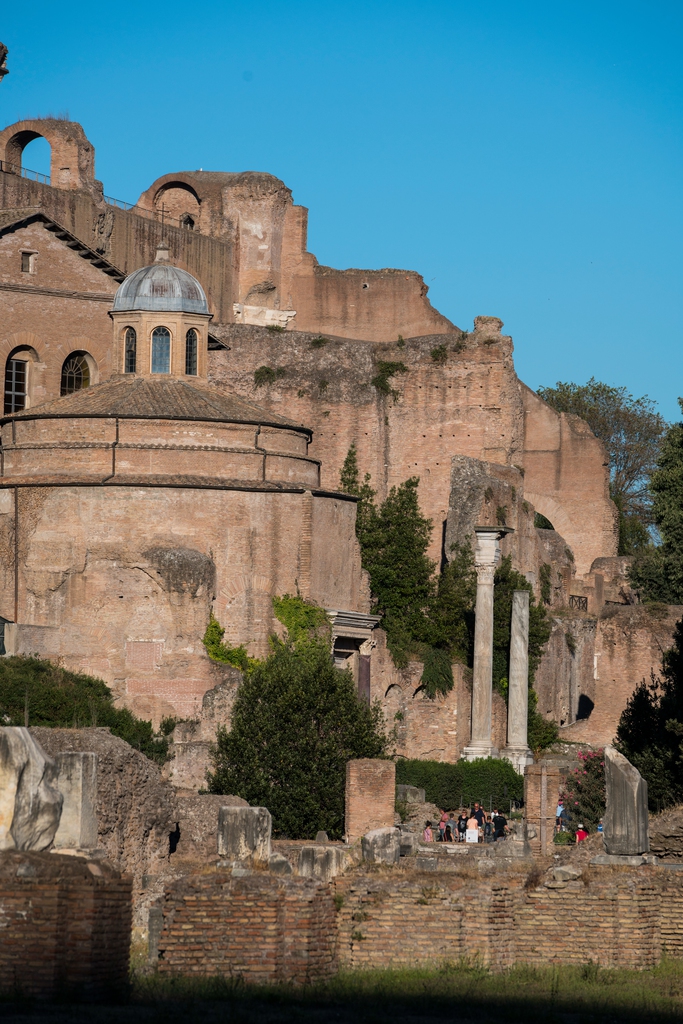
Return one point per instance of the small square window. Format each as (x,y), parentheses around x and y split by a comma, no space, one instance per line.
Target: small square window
(28,264)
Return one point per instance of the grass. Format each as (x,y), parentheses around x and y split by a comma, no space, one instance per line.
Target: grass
(465,992)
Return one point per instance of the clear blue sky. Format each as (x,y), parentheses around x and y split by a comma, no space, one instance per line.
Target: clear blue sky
(525,157)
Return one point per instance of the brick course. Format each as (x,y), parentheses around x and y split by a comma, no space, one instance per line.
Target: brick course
(370,796)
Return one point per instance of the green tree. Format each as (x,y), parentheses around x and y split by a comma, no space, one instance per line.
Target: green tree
(34,691)
(584,790)
(658,573)
(650,729)
(631,430)
(350,482)
(296,721)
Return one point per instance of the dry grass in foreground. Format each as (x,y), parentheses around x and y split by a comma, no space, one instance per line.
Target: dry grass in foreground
(459,992)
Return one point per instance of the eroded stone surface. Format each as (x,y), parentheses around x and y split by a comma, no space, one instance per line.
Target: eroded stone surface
(626,815)
(382,846)
(30,803)
(244,833)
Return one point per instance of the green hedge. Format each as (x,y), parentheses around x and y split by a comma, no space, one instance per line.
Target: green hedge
(41,693)
(450,786)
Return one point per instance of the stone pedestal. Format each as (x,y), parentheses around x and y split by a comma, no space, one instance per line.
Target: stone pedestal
(77,782)
(486,558)
(517,749)
(626,814)
(244,833)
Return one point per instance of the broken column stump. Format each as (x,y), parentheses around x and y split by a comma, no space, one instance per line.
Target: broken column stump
(244,833)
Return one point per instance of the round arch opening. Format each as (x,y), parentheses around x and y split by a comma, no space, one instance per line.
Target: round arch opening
(79,371)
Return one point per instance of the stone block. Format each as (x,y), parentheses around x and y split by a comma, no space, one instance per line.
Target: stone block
(410,794)
(279,864)
(409,842)
(77,782)
(616,860)
(626,815)
(566,873)
(370,796)
(382,846)
(427,863)
(323,862)
(244,833)
(321,837)
(30,803)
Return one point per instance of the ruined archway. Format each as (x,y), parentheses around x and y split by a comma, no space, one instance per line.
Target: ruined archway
(72,162)
(180,204)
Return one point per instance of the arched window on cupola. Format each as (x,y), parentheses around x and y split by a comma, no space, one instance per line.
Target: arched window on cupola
(161,350)
(191,353)
(131,342)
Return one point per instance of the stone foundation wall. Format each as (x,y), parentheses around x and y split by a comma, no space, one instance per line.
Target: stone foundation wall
(65,926)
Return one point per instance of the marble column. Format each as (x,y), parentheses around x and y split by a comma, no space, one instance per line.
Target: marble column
(486,559)
(517,749)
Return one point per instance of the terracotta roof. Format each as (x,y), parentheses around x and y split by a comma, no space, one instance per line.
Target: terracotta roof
(131,397)
(12,220)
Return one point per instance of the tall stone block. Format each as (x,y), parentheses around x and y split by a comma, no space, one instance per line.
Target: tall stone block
(517,750)
(244,833)
(30,803)
(626,816)
(542,783)
(370,796)
(77,782)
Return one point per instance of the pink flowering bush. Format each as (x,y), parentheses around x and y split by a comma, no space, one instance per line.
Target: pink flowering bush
(584,791)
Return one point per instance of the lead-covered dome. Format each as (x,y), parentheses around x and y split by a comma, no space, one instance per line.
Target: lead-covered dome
(161,288)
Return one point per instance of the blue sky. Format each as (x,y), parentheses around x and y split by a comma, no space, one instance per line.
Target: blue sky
(525,157)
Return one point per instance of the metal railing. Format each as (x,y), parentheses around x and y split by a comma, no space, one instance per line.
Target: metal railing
(579,603)
(141,211)
(24,172)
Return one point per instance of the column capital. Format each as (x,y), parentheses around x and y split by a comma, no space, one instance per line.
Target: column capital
(487,547)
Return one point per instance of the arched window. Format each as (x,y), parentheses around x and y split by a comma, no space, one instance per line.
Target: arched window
(16,379)
(130,350)
(75,373)
(191,352)
(161,350)
(186,221)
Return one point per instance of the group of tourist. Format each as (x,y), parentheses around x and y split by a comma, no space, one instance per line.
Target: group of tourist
(470,826)
(562,823)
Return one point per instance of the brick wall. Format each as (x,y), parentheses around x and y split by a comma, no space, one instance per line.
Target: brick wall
(65,925)
(261,928)
(370,796)
(542,784)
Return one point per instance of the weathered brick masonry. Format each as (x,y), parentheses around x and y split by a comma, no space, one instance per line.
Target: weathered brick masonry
(274,929)
(64,925)
(261,927)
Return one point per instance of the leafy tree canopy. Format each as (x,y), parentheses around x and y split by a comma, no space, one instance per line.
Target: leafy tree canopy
(631,430)
(36,692)
(650,731)
(658,573)
(296,721)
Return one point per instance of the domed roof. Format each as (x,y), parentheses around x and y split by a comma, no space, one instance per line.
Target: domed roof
(161,288)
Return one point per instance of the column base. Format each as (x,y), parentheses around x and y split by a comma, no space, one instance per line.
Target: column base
(472,753)
(519,757)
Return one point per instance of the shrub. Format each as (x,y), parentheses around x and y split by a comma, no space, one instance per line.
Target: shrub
(318,342)
(34,691)
(218,651)
(296,721)
(440,354)
(563,838)
(275,328)
(450,786)
(584,790)
(266,374)
(382,380)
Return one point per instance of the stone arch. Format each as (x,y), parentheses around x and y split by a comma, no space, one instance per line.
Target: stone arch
(181,203)
(553,511)
(72,163)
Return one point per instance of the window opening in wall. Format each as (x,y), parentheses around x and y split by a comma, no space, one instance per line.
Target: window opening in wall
(75,374)
(3,623)
(191,352)
(161,350)
(28,262)
(15,385)
(187,222)
(131,346)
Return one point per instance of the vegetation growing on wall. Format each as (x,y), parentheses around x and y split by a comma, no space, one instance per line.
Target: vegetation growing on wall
(430,615)
(382,379)
(219,651)
(266,374)
(296,721)
(650,731)
(451,786)
(35,692)
(440,354)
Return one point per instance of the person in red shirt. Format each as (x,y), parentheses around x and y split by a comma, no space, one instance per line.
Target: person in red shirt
(581,834)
